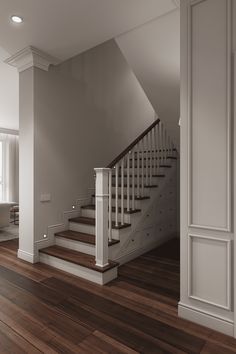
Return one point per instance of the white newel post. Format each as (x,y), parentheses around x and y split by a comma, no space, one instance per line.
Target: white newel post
(102,194)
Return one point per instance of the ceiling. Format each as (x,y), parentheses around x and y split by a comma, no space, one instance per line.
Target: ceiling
(65,28)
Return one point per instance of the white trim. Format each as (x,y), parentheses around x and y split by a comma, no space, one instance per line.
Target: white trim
(9,131)
(234,140)
(228,226)
(31,57)
(27,256)
(206,319)
(228,275)
(78,270)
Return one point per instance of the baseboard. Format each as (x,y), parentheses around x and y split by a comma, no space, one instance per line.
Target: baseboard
(28,257)
(206,319)
(138,252)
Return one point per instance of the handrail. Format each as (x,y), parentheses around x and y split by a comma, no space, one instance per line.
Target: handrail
(135,142)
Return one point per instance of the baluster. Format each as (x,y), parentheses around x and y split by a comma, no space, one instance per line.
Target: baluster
(166,144)
(146,161)
(151,158)
(110,206)
(128,181)
(117,190)
(138,171)
(122,191)
(142,175)
(157,147)
(133,189)
(160,144)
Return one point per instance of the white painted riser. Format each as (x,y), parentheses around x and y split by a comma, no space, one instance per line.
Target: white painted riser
(91,214)
(146,191)
(155,180)
(88,229)
(137,204)
(75,245)
(79,271)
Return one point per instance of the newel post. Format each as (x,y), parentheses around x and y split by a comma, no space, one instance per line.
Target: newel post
(101,229)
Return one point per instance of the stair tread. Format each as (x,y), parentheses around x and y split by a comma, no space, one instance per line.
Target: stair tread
(92,207)
(79,258)
(81,237)
(140,186)
(125,176)
(168,166)
(125,197)
(91,221)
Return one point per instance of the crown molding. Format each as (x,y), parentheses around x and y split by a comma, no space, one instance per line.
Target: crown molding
(31,57)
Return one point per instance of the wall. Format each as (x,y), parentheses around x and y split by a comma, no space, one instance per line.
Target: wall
(9,94)
(86,111)
(153,52)
(207,202)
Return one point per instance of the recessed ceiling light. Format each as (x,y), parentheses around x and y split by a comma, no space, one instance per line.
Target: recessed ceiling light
(16,19)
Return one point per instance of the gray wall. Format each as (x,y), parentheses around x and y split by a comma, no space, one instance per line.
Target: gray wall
(86,111)
(153,52)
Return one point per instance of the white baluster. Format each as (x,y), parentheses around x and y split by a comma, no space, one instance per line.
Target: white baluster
(133,189)
(138,170)
(101,226)
(128,181)
(146,161)
(122,191)
(166,144)
(156,148)
(151,157)
(142,174)
(117,191)
(110,206)
(162,144)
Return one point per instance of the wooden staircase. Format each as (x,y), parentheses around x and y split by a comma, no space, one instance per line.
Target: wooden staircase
(135,181)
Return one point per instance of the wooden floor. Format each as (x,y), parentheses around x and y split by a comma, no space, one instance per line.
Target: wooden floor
(47,311)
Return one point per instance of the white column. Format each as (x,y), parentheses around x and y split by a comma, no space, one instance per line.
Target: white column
(102,178)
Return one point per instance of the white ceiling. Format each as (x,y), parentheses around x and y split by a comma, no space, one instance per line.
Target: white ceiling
(64,28)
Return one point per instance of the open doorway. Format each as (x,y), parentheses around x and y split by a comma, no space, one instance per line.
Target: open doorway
(9,150)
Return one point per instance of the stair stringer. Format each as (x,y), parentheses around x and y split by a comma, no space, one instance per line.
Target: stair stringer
(156,224)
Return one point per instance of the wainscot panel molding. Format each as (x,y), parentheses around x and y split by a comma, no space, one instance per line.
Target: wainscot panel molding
(207,164)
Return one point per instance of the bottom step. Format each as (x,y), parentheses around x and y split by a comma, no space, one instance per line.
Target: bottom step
(79,264)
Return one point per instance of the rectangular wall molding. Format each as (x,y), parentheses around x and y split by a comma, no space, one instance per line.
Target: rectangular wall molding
(209,258)
(209,120)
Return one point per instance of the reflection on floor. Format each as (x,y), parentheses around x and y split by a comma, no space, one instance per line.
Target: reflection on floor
(9,233)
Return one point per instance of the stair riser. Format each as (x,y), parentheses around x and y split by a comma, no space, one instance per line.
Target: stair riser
(155,180)
(91,214)
(137,203)
(79,271)
(146,191)
(75,245)
(161,170)
(83,228)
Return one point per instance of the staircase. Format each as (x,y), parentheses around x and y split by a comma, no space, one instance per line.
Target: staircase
(132,211)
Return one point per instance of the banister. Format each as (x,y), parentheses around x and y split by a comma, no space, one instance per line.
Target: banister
(130,147)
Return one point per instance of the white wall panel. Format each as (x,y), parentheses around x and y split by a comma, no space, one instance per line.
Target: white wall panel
(209,112)
(210,270)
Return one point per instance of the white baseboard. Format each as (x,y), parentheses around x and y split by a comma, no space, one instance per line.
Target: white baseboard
(28,257)
(138,252)
(206,319)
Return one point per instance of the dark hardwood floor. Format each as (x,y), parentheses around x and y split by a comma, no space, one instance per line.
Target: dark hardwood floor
(43,310)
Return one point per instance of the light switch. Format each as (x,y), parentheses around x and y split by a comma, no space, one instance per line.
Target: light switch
(45,198)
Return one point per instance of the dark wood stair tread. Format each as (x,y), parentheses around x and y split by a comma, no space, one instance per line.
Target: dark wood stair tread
(81,237)
(136,186)
(140,176)
(91,221)
(172,157)
(167,166)
(79,258)
(92,207)
(125,197)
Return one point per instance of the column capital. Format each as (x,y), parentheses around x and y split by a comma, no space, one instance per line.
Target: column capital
(31,57)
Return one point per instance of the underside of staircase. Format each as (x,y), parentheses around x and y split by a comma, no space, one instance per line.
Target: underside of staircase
(139,213)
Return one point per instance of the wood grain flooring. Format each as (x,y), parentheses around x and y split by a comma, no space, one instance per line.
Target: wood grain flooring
(43,310)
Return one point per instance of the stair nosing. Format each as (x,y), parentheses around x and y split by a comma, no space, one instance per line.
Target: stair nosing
(112,264)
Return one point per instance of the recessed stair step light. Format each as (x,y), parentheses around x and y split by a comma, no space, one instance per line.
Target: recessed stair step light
(16,19)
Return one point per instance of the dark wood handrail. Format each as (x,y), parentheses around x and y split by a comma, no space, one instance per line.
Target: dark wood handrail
(130,147)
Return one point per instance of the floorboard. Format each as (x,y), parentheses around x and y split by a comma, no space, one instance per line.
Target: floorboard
(43,310)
